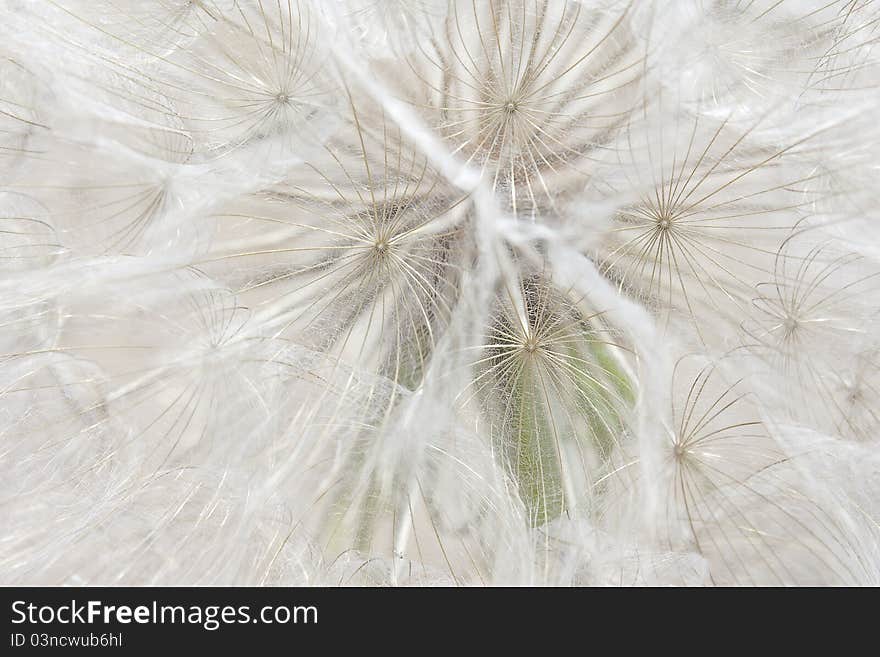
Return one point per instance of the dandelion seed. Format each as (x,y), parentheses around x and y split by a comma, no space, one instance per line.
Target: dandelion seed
(808,324)
(225,86)
(714,202)
(364,254)
(528,90)
(737,497)
(554,393)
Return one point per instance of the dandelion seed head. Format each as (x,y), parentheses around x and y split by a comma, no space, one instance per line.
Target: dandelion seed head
(459,292)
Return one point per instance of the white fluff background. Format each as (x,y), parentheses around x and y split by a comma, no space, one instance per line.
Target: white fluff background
(417,292)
